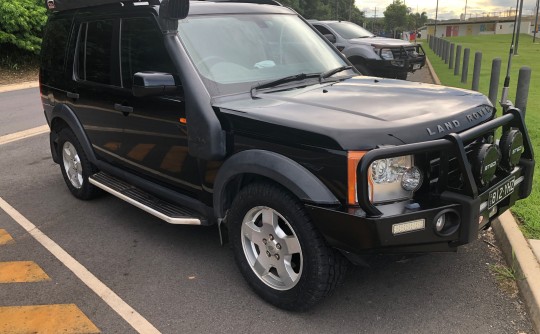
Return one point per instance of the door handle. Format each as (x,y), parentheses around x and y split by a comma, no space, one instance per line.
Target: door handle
(72,95)
(122,108)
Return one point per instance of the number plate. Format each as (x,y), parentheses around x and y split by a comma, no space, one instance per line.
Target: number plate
(500,192)
(416,66)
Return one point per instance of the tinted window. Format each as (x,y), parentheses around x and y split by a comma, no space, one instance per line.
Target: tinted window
(142,49)
(96,62)
(349,30)
(54,44)
(323,30)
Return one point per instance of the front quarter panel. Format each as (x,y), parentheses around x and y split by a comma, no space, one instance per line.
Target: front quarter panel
(364,51)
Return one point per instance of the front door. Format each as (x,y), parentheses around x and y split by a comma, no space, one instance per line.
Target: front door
(154,138)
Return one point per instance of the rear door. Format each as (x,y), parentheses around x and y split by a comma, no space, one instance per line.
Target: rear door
(96,84)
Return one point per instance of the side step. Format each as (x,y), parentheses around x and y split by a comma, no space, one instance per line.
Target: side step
(171,213)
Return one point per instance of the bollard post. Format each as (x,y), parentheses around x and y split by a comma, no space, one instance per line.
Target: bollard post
(465,70)
(451,60)
(441,53)
(476,70)
(494,80)
(522,91)
(443,45)
(443,56)
(446,51)
(443,49)
(458,60)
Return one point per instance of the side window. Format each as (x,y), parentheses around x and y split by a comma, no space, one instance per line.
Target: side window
(323,30)
(142,49)
(95,55)
(54,44)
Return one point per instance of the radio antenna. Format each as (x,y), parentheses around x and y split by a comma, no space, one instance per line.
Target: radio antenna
(505,103)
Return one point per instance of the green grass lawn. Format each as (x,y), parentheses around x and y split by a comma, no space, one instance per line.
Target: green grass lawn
(497,46)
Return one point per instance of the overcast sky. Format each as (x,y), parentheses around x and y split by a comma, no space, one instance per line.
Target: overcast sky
(449,9)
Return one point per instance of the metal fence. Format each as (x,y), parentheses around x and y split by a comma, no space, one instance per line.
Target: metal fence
(452,54)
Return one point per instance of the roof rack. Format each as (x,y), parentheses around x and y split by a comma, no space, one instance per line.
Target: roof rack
(61,5)
(261,2)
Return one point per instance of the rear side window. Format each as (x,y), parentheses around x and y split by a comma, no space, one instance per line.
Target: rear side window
(142,49)
(95,54)
(54,45)
(323,30)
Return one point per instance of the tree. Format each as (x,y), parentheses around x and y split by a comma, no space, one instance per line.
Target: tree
(327,9)
(416,20)
(395,16)
(21,24)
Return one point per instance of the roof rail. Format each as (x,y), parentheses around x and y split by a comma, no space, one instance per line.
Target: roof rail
(261,2)
(61,5)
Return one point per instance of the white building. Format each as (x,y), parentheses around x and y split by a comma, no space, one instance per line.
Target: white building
(480,26)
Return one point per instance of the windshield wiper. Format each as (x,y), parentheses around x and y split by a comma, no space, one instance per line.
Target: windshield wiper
(277,82)
(329,73)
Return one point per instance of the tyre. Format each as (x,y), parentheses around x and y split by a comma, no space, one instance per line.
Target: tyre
(278,250)
(75,166)
(401,75)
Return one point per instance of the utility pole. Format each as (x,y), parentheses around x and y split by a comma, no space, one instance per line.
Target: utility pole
(436,13)
(350,10)
(373,22)
(518,27)
(337,17)
(465,14)
(536,21)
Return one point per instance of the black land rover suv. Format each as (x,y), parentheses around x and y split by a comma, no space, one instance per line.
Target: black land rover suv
(244,116)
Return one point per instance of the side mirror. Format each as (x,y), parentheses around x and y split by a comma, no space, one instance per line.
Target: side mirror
(153,84)
(331,38)
(174,9)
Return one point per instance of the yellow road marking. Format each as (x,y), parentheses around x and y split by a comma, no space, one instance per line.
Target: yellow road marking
(128,313)
(21,271)
(5,238)
(44,319)
(24,134)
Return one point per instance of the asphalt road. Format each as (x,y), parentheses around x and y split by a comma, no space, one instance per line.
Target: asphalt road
(20,110)
(182,281)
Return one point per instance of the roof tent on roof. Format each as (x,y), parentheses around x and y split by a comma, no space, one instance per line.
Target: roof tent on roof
(61,5)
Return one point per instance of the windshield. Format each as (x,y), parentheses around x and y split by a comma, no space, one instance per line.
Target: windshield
(349,30)
(235,52)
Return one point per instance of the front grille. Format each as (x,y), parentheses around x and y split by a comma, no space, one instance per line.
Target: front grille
(405,53)
(444,172)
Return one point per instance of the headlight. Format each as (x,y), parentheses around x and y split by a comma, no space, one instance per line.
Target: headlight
(384,53)
(394,179)
(391,179)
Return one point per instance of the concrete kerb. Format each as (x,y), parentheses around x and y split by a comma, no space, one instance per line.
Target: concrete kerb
(519,255)
(19,86)
(432,72)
